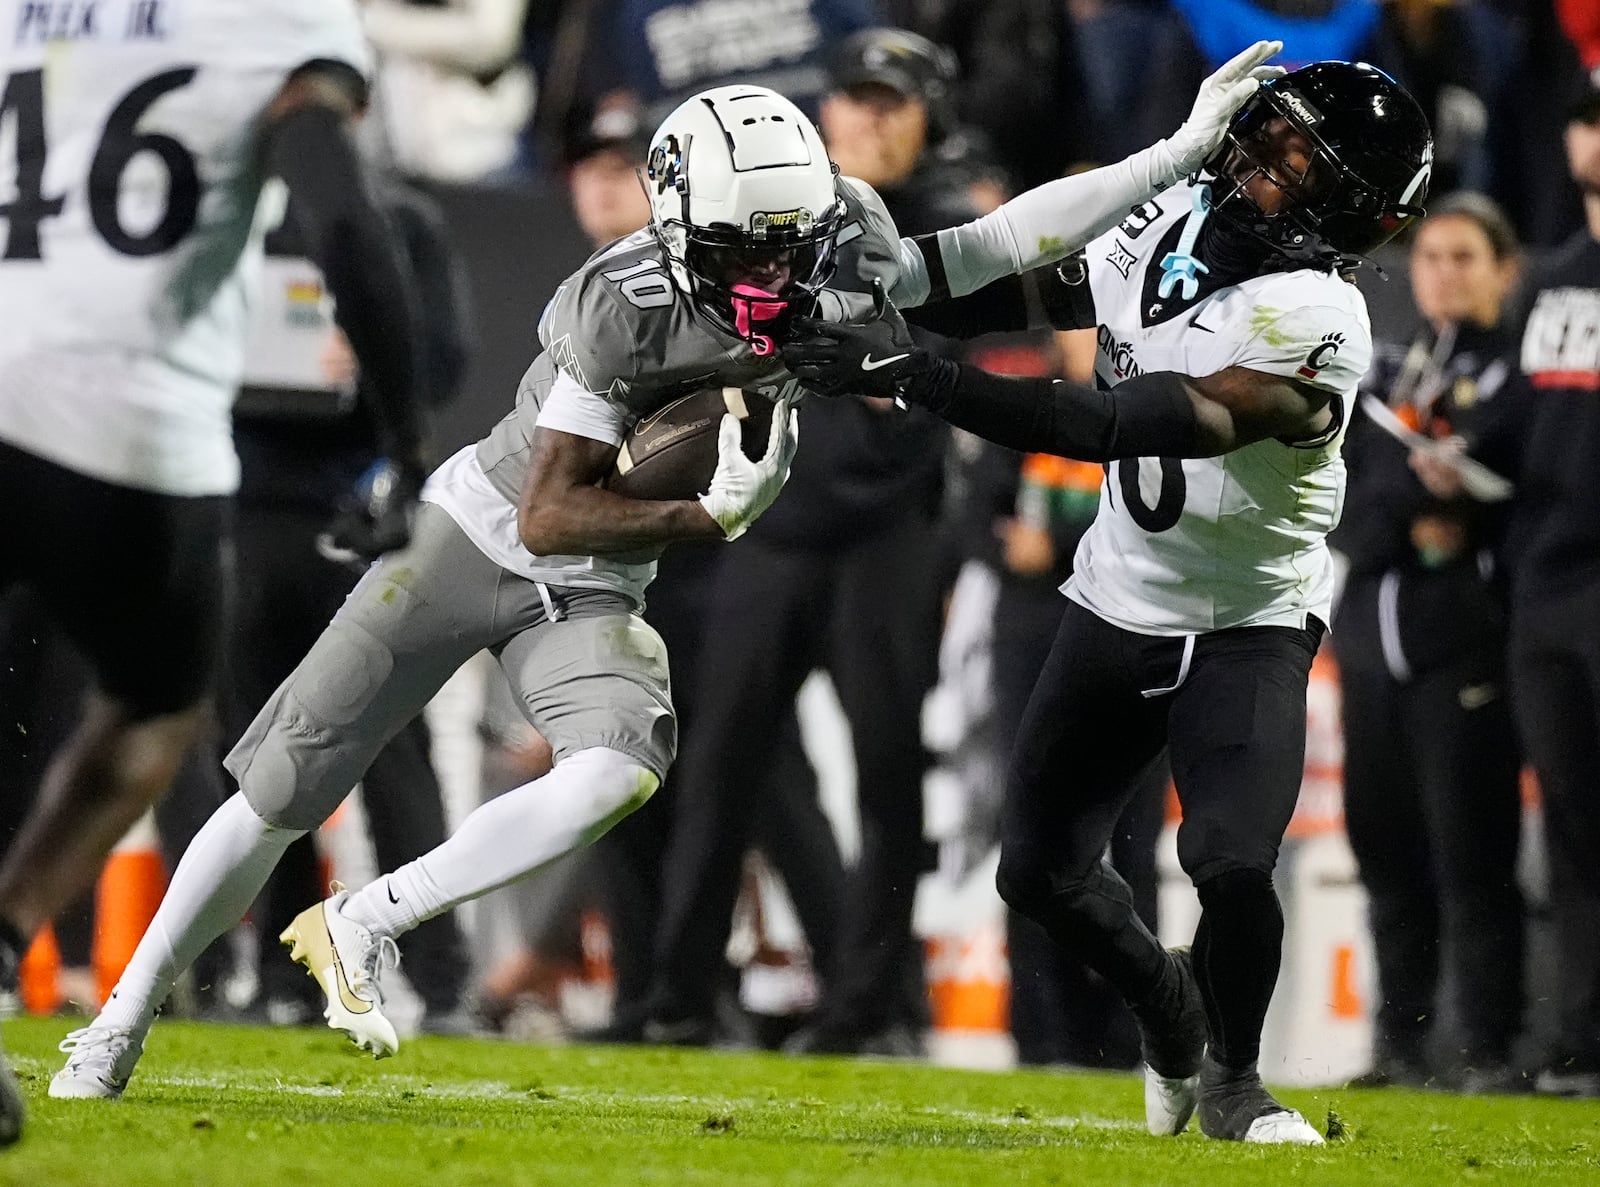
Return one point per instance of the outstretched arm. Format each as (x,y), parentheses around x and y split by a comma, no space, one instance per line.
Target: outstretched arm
(1160,414)
(1053,220)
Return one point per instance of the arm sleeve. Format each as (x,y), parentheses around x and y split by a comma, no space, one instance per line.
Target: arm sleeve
(348,236)
(571,408)
(1147,416)
(1048,222)
(1057,295)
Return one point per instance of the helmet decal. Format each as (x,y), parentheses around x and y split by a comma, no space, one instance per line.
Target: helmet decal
(1419,181)
(665,167)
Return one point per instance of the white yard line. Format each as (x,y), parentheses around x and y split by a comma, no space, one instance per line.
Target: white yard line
(402,1086)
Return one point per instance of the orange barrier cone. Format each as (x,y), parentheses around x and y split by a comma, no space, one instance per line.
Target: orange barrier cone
(37,975)
(969,980)
(130,890)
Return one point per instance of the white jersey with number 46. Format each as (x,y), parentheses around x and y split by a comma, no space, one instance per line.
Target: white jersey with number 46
(129,179)
(1185,546)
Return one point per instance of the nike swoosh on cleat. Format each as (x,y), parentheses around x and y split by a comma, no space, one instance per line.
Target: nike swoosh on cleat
(871,364)
(347,995)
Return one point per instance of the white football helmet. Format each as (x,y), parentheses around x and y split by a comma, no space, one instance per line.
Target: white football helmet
(744,200)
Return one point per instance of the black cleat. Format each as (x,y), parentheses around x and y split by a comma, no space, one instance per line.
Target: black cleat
(1236,1107)
(1172,1040)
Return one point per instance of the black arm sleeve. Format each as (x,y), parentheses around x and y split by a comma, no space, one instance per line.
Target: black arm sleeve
(1057,294)
(348,236)
(998,308)
(1147,416)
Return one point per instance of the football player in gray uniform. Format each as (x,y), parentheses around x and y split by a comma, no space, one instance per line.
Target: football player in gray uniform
(1201,592)
(520,549)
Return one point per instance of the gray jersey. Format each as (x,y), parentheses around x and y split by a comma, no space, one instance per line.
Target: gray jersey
(622,330)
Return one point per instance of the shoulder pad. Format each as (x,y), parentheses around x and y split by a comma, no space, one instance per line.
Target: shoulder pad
(869,243)
(600,322)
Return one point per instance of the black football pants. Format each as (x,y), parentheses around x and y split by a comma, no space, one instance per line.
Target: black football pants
(1062,1012)
(1230,709)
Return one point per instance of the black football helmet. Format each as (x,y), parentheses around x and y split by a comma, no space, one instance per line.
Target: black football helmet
(1368,178)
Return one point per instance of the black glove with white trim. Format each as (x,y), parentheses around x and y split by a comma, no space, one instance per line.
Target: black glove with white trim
(377,516)
(875,358)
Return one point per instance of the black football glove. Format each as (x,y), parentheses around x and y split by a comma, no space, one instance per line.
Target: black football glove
(377,516)
(875,358)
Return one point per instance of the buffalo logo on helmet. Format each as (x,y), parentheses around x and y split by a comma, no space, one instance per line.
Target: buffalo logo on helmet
(665,166)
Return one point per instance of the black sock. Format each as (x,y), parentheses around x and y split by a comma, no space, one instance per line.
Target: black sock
(1237,949)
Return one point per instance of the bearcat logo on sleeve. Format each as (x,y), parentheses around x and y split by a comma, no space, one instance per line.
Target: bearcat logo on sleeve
(1321,355)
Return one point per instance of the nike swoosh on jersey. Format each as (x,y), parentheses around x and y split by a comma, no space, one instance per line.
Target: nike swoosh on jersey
(1194,323)
(871,364)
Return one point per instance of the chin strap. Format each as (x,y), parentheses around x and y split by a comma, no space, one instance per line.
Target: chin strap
(1182,268)
(752,305)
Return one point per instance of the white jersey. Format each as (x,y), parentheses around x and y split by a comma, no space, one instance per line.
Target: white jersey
(1184,546)
(128,157)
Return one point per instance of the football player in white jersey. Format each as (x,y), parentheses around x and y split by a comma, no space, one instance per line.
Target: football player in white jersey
(140,135)
(520,549)
(1231,344)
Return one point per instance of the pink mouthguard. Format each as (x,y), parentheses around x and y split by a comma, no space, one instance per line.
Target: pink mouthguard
(752,305)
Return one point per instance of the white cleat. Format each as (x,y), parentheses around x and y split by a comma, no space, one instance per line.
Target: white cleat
(1287,1128)
(345,958)
(99,1061)
(1169,1101)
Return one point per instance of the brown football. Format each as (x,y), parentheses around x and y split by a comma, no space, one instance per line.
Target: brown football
(672,453)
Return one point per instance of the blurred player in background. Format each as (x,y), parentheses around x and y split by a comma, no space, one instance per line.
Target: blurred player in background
(1201,591)
(143,133)
(520,547)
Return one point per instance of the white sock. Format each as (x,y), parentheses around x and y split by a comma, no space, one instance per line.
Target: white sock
(221,872)
(507,838)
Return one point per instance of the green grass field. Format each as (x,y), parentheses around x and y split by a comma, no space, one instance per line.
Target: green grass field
(236,1106)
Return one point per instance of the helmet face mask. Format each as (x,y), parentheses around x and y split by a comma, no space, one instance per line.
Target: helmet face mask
(744,202)
(1347,148)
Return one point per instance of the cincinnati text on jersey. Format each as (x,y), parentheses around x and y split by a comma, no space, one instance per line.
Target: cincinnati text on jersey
(1118,354)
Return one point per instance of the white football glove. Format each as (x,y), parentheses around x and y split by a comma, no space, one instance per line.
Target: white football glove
(741,489)
(1220,96)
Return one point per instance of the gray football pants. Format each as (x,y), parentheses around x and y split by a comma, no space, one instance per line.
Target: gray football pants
(593,674)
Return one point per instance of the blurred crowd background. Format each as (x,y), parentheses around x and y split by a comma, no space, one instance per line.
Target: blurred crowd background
(767,895)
